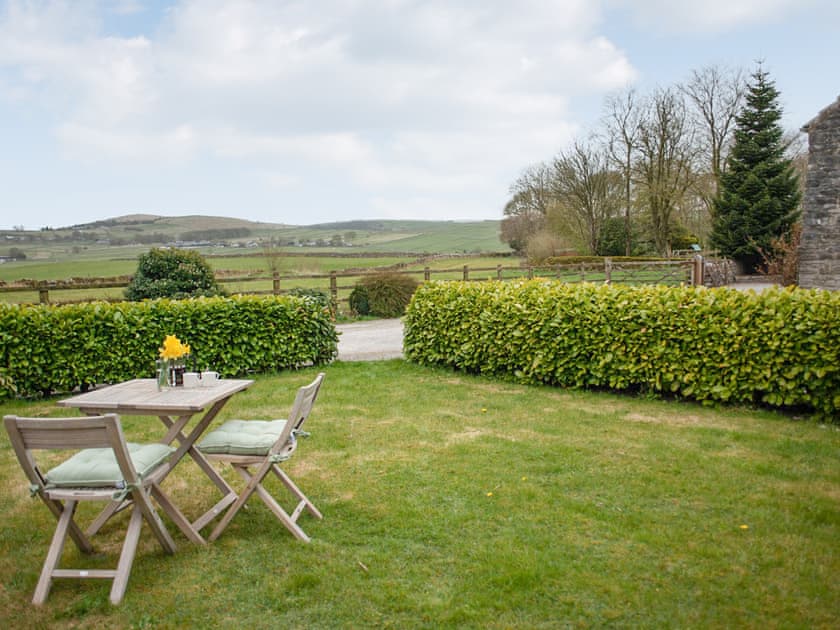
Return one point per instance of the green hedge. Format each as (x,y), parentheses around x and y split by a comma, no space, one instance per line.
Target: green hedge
(47,349)
(780,347)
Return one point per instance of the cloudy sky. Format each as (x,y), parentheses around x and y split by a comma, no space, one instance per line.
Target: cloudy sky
(303,112)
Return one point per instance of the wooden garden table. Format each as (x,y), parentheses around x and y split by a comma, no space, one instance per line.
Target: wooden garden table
(175,407)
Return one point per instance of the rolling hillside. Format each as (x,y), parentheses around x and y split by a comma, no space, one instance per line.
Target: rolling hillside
(138,232)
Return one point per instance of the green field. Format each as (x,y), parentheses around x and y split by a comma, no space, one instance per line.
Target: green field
(103,249)
(455,501)
(127,237)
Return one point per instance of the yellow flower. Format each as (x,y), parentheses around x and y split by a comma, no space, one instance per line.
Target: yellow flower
(173,348)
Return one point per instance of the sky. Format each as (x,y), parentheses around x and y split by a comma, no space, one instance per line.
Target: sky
(333,110)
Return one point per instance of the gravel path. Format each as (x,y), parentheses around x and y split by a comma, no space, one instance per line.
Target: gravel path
(371,340)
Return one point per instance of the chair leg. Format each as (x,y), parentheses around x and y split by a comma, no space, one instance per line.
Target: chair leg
(78,536)
(282,515)
(132,536)
(54,553)
(111,509)
(252,483)
(296,491)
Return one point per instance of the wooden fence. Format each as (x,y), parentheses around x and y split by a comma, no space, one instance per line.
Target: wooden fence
(677,271)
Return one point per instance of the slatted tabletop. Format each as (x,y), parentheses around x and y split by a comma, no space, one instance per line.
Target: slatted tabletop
(141,396)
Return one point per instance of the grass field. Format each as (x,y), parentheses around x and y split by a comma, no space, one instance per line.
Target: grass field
(113,238)
(64,254)
(457,501)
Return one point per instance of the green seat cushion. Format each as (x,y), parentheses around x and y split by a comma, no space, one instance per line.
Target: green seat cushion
(243,437)
(97,467)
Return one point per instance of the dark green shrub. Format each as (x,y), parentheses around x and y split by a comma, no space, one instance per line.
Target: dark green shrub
(387,294)
(172,273)
(359,302)
(778,347)
(612,238)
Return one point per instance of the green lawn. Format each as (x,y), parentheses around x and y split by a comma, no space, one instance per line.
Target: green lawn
(458,501)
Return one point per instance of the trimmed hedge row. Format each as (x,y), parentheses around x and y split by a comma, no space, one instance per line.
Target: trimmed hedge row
(780,347)
(47,349)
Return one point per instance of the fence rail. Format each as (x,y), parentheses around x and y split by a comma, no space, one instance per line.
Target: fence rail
(680,271)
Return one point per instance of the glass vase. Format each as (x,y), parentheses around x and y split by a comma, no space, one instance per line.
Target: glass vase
(163,374)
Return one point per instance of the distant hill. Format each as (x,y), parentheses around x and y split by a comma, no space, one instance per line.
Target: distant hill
(361,235)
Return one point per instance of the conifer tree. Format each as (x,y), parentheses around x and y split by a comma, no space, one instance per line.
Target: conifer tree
(759,195)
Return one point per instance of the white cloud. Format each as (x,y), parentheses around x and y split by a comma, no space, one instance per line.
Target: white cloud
(710,15)
(424,100)
(102,144)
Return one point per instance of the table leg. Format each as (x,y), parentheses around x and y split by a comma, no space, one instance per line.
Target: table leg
(187,447)
(177,516)
(112,508)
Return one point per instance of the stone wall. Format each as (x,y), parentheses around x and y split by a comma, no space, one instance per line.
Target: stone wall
(819,252)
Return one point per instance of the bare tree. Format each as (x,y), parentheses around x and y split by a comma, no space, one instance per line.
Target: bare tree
(586,191)
(531,192)
(273,255)
(664,167)
(622,124)
(526,211)
(715,96)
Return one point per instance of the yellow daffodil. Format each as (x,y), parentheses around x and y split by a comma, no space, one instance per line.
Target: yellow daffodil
(173,348)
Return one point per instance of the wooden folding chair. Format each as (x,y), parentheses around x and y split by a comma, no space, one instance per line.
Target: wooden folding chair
(261,445)
(105,468)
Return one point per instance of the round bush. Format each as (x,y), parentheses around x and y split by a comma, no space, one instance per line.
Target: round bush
(172,273)
(359,302)
(383,294)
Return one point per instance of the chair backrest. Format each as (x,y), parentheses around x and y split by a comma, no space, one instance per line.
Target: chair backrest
(304,400)
(32,434)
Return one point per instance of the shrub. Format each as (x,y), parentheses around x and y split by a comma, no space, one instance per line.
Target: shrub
(545,244)
(59,348)
(324,298)
(783,258)
(780,347)
(383,294)
(359,302)
(172,273)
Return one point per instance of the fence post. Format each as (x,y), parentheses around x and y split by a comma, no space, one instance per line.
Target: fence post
(697,279)
(43,293)
(275,283)
(466,272)
(583,272)
(427,274)
(530,272)
(608,270)
(498,272)
(334,286)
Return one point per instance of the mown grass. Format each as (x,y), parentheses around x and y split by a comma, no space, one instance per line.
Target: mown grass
(459,501)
